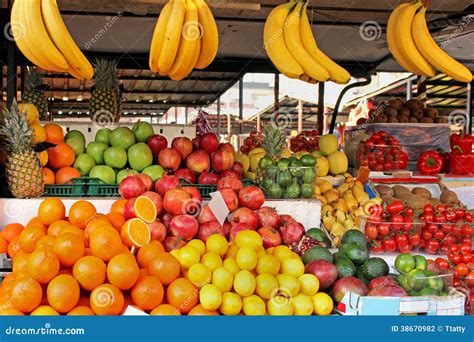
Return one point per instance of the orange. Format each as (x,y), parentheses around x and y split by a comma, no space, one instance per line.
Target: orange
(145,209)
(43,265)
(20,262)
(51,210)
(135,233)
(165,267)
(62,155)
(48,176)
(105,243)
(54,133)
(8,282)
(119,206)
(55,228)
(46,241)
(13,246)
(72,230)
(43,156)
(81,311)
(147,293)
(123,271)
(39,133)
(65,175)
(69,247)
(11,230)
(44,310)
(30,236)
(165,310)
(98,221)
(182,294)
(144,272)
(90,272)
(3,245)
(63,293)
(84,301)
(11,312)
(198,310)
(116,220)
(149,252)
(81,213)
(106,299)
(26,294)
(35,222)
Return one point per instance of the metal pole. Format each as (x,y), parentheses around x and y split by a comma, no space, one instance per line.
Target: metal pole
(186,115)
(469,109)
(277,93)
(320,120)
(241,106)
(300,116)
(219,117)
(11,67)
(409,89)
(176,115)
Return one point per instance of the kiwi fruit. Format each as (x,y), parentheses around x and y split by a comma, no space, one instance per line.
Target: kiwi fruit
(385,190)
(404,111)
(426,120)
(381,118)
(422,192)
(390,111)
(389,199)
(431,113)
(403,119)
(412,119)
(400,189)
(417,113)
(441,120)
(449,197)
(396,103)
(392,119)
(414,104)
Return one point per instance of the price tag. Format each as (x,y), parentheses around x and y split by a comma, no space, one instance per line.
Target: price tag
(218,207)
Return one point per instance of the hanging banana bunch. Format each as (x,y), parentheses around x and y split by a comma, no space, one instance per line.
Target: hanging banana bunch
(412,46)
(292,48)
(42,37)
(185,38)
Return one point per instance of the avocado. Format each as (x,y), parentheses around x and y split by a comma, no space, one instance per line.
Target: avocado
(345,267)
(316,252)
(339,255)
(361,276)
(374,268)
(354,236)
(428,291)
(356,253)
(319,235)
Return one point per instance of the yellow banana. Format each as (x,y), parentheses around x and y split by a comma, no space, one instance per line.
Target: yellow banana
(63,40)
(36,36)
(159,36)
(172,38)
(185,60)
(210,35)
(294,44)
(274,42)
(433,53)
(338,74)
(405,44)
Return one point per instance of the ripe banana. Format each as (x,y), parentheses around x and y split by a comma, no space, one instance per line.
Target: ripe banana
(172,36)
(210,35)
(159,36)
(433,53)
(405,44)
(63,40)
(190,42)
(338,74)
(274,42)
(293,41)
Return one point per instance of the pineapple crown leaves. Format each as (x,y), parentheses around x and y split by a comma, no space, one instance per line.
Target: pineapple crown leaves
(274,140)
(16,130)
(34,79)
(105,74)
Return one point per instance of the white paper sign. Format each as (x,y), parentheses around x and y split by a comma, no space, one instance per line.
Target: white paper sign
(131,311)
(218,207)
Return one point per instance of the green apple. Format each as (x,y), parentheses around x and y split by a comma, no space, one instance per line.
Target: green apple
(122,137)
(142,131)
(122,174)
(75,134)
(103,135)
(154,171)
(115,157)
(77,145)
(140,156)
(105,173)
(84,164)
(96,150)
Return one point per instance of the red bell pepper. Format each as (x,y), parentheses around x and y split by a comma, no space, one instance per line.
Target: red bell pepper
(461,163)
(464,141)
(430,163)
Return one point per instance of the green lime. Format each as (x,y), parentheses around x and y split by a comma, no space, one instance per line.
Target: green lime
(434,281)
(308,160)
(402,280)
(428,291)
(420,262)
(265,162)
(417,279)
(283,164)
(272,172)
(284,178)
(404,263)
(267,183)
(307,191)
(309,175)
(293,191)
(275,191)
(296,168)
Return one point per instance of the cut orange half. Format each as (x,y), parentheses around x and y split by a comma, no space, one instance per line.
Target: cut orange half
(135,233)
(145,209)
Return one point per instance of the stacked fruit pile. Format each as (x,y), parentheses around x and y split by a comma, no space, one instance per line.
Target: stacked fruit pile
(305,141)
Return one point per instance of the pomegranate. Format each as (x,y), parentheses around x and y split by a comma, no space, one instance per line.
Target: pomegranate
(175,201)
(172,242)
(146,179)
(166,218)
(206,215)
(231,173)
(209,142)
(194,192)
(230,182)
(184,226)
(245,215)
(169,159)
(156,199)
(268,217)
(186,174)
(222,160)
(157,143)
(198,161)
(132,186)
(129,211)
(166,183)
(239,168)
(238,228)
(210,228)
(227,227)
(251,197)
(284,219)
(183,145)
(270,237)
(230,199)
(195,142)
(157,230)
(291,233)
(208,178)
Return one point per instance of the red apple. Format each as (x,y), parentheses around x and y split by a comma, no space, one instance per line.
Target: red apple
(208,178)
(132,186)
(244,215)
(222,160)
(270,237)
(169,159)
(195,142)
(227,227)
(268,217)
(183,145)
(158,231)
(230,182)
(166,218)
(156,199)
(186,174)
(230,199)
(231,173)
(146,179)
(157,143)
(184,226)
(175,201)
(199,161)
(239,168)
(226,146)
(210,228)
(238,228)
(166,183)
(206,215)
(208,142)
(129,211)
(251,197)
(172,242)
(291,233)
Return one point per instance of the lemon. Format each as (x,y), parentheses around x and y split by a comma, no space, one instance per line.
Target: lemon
(294,267)
(175,253)
(270,250)
(217,243)
(282,253)
(31,111)
(212,260)
(289,285)
(248,238)
(244,283)
(309,284)
(261,253)
(246,258)
(268,264)
(253,306)
(231,304)
(231,250)
(210,297)
(199,274)
(302,305)
(199,245)
(267,285)
(279,306)
(223,279)
(322,304)
(231,265)
(188,256)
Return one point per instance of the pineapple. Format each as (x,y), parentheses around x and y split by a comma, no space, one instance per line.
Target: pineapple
(34,95)
(23,168)
(105,104)
(274,141)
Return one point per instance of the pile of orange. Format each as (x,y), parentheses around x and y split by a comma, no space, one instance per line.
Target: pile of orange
(80,262)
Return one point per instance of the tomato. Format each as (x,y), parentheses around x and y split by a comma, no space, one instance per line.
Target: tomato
(459,213)
(439,235)
(466,258)
(388,166)
(384,229)
(432,228)
(453,248)
(468,217)
(467,230)
(397,218)
(461,269)
(447,228)
(456,283)
(371,232)
(374,219)
(440,218)
(379,167)
(449,240)
(376,247)
(432,246)
(426,235)
(444,249)
(395,208)
(457,230)
(466,241)
(465,247)
(455,258)
(409,212)
(390,245)
(408,223)
(428,217)
(428,209)
(440,208)
(450,215)
(414,239)
(442,264)
(469,280)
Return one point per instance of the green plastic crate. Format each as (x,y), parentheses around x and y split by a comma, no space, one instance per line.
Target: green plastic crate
(204,189)
(97,188)
(77,188)
(247,182)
